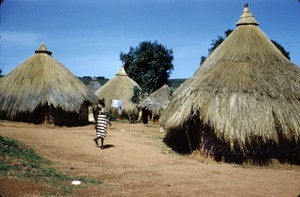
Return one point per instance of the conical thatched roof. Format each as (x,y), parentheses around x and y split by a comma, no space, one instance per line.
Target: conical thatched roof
(158,100)
(42,80)
(119,87)
(245,94)
(94,84)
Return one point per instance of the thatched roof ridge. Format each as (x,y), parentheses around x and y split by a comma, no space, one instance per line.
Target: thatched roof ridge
(245,89)
(42,80)
(158,100)
(119,87)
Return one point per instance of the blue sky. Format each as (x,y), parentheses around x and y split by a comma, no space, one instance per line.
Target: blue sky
(87,36)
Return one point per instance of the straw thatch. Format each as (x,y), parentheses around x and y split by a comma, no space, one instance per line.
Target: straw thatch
(41,87)
(243,103)
(119,87)
(94,85)
(157,101)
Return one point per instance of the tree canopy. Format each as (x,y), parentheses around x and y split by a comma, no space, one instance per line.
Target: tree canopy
(149,64)
(283,51)
(215,43)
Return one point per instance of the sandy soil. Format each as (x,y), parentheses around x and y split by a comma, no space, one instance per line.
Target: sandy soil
(137,163)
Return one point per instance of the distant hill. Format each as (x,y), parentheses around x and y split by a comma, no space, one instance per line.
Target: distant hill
(174,83)
(87,79)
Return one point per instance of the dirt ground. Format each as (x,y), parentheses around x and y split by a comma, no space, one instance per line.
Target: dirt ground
(137,163)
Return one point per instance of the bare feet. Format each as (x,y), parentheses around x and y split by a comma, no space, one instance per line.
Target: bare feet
(96,141)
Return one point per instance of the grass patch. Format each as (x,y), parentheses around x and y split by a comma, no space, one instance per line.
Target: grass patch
(20,161)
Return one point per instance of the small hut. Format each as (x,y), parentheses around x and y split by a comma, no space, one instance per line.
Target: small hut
(242,104)
(117,93)
(42,90)
(94,85)
(156,102)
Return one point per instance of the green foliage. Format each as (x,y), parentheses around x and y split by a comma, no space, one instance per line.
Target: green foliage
(112,117)
(136,97)
(149,64)
(282,50)
(15,150)
(219,40)
(23,162)
(12,150)
(215,43)
(175,83)
(84,80)
(87,79)
(4,169)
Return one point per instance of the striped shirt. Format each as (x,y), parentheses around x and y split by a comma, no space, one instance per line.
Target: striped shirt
(101,125)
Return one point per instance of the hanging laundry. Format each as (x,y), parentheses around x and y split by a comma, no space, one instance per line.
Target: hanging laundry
(120,106)
(114,103)
(117,104)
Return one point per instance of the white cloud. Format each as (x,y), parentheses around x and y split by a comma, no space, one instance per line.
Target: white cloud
(20,38)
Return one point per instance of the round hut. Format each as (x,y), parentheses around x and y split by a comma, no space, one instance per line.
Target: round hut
(42,90)
(156,102)
(117,93)
(94,85)
(242,104)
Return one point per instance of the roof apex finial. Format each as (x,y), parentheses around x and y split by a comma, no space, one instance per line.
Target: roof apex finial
(247,18)
(122,72)
(43,49)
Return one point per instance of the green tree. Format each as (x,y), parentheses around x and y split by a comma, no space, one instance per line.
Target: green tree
(149,64)
(215,43)
(136,95)
(283,51)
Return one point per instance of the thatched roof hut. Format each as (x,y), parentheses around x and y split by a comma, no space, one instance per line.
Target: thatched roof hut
(242,104)
(157,101)
(119,87)
(94,85)
(40,89)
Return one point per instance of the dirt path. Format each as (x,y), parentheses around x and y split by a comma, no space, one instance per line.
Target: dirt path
(137,163)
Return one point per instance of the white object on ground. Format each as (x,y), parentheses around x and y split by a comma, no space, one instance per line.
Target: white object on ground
(161,130)
(76,182)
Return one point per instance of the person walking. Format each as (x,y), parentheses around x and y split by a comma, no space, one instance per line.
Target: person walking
(101,127)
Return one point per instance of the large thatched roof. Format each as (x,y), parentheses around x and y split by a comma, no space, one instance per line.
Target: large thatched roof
(245,90)
(42,80)
(157,101)
(119,87)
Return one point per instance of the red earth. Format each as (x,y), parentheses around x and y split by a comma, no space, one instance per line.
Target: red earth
(136,162)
